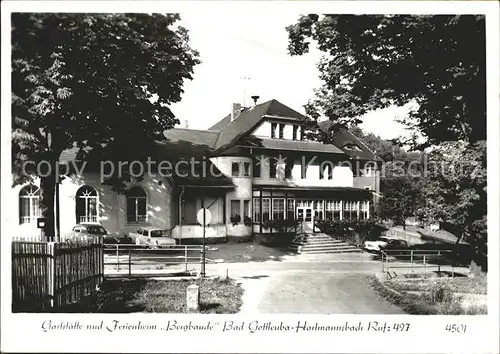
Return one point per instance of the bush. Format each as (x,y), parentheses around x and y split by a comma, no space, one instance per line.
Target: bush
(247,221)
(279,225)
(440,292)
(367,229)
(235,219)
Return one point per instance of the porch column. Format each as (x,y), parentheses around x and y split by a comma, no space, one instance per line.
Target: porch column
(224,201)
(341,209)
(260,211)
(271,209)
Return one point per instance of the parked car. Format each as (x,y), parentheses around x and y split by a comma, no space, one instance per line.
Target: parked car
(93,230)
(154,237)
(385,244)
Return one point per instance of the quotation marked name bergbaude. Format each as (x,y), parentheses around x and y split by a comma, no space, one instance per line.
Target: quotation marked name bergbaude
(229,326)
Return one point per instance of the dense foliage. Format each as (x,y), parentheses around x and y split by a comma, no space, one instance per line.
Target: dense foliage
(435,63)
(366,229)
(94,81)
(374,61)
(280,225)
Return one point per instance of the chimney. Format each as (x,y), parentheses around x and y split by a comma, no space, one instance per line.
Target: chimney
(186,124)
(255,99)
(236,111)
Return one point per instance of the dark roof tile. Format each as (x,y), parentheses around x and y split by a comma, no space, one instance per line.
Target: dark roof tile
(297,145)
(344,137)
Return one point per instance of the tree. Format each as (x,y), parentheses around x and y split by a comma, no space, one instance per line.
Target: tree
(403,197)
(94,81)
(387,150)
(456,189)
(373,62)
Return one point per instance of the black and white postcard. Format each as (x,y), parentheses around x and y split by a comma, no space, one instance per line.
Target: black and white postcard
(250,177)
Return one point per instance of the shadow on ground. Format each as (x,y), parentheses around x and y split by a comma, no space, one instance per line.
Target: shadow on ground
(255,277)
(247,252)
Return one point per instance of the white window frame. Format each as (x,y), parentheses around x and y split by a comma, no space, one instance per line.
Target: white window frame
(237,164)
(256,210)
(138,218)
(87,197)
(274,202)
(32,194)
(365,209)
(273,130)
(281,131)
(268,200)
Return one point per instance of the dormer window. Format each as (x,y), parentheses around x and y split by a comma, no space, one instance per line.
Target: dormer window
(273,130)
(246,169)
(235,169)
(282,130)
(369,170)
(352,147)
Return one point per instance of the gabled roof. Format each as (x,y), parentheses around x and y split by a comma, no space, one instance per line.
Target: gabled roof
(344,137)
(190,140)
(272,108)
(225,134)
(249,119)
(221,124)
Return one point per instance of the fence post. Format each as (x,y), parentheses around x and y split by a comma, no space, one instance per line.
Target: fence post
(117,259)
(387,266)
(129,262)
(411,260)
(382,262)
(425,269)
(51,273)
(186,257)
(439,262)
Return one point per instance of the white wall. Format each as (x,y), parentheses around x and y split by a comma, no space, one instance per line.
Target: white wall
(242,191)
(342,176)
(112,206)
(264,130)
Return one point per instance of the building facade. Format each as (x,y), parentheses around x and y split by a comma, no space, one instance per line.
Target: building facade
(252,170)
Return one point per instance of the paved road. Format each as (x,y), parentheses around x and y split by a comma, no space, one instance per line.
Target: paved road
(322,293)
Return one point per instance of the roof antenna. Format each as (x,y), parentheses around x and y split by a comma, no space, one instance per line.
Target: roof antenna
(255,99)
(246,78)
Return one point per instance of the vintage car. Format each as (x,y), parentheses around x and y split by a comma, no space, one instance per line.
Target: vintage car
(385,243)
(153,237)
(85,230)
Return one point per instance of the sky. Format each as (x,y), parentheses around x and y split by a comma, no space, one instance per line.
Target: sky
(244,53)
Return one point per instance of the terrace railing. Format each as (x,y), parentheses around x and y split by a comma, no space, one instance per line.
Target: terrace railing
(396,262)
(126,260)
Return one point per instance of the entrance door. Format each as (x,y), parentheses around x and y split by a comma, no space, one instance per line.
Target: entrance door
(305,215)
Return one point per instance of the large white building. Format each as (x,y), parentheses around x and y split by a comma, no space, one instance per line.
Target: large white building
(253,166)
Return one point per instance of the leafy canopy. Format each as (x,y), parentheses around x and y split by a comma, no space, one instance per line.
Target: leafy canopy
(372,62)
(94,80)
(100,82)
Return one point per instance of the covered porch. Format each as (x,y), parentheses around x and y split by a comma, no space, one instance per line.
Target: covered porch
(279,210)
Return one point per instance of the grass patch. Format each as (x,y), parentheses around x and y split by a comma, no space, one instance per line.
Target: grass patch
(168,296)
(246,252)
(439,299)
(456,285)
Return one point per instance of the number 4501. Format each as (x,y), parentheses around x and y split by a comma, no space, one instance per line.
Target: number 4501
(456,328)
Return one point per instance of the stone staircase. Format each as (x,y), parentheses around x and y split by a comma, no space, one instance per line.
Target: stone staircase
(321,243)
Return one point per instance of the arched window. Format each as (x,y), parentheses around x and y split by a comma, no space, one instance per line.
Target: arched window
(136,205)
(29,204)
(86,205)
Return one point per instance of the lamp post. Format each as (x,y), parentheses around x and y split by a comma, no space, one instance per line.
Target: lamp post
(204,217)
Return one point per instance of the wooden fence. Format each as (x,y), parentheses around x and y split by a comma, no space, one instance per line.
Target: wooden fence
(48,275)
